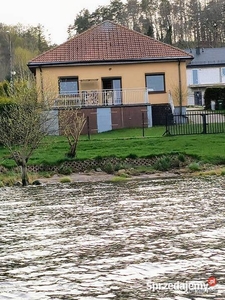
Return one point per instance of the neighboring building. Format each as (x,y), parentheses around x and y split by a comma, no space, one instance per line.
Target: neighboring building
(207,69)
(115,69)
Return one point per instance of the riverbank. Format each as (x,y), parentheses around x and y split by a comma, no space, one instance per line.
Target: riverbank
(12,178)
(101,176)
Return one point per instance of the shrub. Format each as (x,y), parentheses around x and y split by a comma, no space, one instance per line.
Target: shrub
(4,88)
(118,167)
(108,168)
(175,163)
(181,157)
(223,172)
(65,170)
(194,167)
(46,174)
(163,164)
(65,180)
(124,175)
(118,179)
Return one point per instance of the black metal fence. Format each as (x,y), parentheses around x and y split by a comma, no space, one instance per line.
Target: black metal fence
(195,122)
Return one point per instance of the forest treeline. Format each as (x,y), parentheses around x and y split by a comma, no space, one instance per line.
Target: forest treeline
(18,45)
(182,23)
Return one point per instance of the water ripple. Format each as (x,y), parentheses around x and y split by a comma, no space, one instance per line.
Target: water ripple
(110,241)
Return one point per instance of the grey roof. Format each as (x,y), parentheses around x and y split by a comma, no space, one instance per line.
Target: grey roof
(207,57)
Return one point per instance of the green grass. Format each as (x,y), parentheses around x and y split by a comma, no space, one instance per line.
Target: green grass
(65,180)
(124,142)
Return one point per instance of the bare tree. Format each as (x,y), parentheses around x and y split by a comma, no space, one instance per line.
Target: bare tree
(72,122)
(23,125)
(179,94)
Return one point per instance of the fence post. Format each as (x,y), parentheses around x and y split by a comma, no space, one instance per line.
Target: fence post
(143,124)
(88,128)
(204,123)
(167,127)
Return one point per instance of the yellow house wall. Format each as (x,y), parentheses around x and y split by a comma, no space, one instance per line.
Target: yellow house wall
(132,76)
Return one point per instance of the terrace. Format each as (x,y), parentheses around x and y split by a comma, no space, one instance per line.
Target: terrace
(90,98)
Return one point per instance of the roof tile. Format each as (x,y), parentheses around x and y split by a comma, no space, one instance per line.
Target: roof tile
(109,41)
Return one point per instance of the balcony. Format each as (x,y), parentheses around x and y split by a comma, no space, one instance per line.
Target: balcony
(92,98)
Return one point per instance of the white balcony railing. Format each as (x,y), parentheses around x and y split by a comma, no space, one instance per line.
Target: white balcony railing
(103,98)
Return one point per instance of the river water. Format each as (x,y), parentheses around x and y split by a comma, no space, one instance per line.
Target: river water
(133,240)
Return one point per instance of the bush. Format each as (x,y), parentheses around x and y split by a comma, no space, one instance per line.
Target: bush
(163,164)
(5,104)
(118,167)
(175,163)
(65,170)
(4,89)
(65,180)
(108,168)
(194,167)
(181,157)
(223,172)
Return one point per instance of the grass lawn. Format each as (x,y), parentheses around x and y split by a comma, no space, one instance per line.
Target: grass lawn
(122,143)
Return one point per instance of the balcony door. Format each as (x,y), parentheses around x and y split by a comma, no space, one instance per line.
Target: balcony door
(112,91)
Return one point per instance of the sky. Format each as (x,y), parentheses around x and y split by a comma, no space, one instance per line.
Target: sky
(54,15)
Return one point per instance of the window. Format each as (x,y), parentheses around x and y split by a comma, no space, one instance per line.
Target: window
(155,83)
(195,76)
(223,72)
(68,86)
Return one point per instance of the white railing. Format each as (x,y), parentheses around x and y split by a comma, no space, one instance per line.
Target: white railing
(103,98)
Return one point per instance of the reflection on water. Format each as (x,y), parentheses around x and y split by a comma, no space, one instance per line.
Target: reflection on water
(111,241)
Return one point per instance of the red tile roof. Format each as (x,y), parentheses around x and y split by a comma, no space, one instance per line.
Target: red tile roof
(107,42)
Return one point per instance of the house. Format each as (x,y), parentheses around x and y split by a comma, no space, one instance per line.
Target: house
(207,69)
(114,74)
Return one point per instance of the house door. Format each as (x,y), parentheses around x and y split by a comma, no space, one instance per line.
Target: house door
(112,91)
(198,98)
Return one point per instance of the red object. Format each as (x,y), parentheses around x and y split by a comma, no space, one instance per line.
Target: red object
(212,281)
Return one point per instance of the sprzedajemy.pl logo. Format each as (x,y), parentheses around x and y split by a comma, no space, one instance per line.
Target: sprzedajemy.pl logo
(187,286)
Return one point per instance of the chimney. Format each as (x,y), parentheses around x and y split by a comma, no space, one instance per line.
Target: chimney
(198,51)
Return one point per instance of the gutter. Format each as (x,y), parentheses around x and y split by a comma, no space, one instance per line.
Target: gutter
(180,86)
(105,62)
(42,84)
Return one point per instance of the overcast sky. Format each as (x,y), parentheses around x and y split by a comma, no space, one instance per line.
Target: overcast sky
(54,15)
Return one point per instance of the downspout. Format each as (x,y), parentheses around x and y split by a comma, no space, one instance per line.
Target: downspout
(180,86)
(42,84)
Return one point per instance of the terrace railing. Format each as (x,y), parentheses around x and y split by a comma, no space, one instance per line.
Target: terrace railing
(102,98)
(195,122)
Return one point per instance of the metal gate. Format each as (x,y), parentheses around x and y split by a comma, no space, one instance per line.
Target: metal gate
(195,122)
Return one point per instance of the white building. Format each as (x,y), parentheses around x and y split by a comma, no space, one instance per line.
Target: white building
(207,69)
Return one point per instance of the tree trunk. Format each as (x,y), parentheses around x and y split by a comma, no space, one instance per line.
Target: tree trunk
(73,150)
(24,175)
